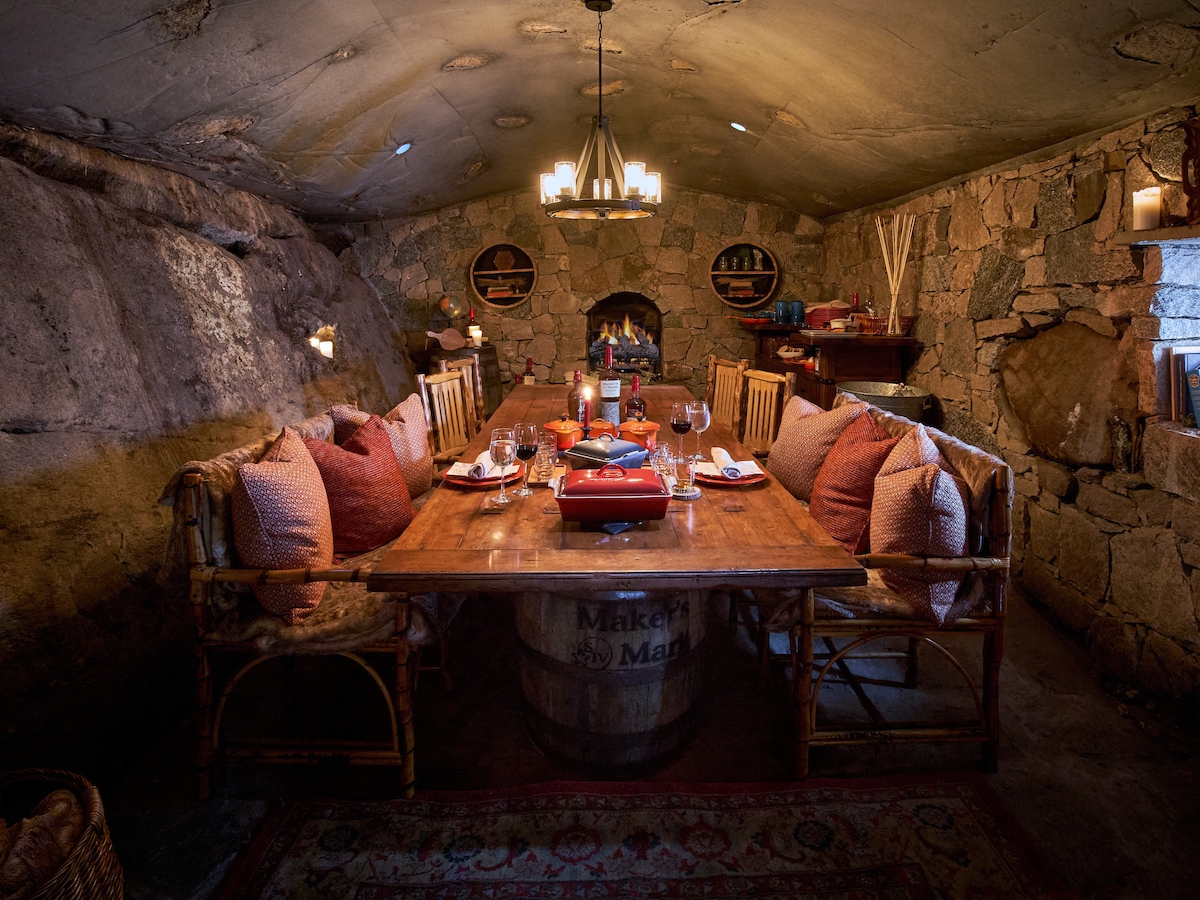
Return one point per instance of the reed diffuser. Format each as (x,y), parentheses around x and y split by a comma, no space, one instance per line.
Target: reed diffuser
(895,241)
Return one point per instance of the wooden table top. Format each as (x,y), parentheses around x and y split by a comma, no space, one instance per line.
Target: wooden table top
(754,536)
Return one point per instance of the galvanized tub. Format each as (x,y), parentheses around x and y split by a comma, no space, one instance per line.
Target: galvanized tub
(901,399)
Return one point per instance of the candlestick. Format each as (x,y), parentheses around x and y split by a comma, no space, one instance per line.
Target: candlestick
(1147,206)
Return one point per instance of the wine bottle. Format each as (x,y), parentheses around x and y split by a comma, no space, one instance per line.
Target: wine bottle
(610,389)
(575,398)
(635,406)
(528,377)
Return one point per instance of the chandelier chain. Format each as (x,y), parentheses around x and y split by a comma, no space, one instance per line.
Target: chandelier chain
(600,61)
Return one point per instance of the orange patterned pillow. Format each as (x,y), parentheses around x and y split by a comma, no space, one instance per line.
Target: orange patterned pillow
(845,485)
(806,435)
(919,509)
(409,436)
(368,500)
(281,521)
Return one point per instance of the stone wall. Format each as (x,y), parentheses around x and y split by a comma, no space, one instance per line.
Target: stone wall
(412,262)
(1044,340)
(133,342)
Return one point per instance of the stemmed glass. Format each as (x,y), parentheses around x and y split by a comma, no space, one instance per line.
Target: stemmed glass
(700,418)
(503,448)
(527,447)
(681,422)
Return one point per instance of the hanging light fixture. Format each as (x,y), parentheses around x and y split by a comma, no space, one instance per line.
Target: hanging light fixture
(637,192)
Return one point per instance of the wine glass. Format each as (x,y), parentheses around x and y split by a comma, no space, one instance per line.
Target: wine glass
(503,448)
(701,418)
(681,423)
(527,448)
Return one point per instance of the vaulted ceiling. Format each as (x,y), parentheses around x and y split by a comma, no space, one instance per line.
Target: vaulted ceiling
(846,102)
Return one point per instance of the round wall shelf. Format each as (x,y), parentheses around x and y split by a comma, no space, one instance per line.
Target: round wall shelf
(744,275)
(503,275)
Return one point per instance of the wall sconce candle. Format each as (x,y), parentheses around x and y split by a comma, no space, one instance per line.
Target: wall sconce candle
(1147,207)
(326,348)
(322,341)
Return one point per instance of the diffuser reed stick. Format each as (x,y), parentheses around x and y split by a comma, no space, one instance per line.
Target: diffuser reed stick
(895,241)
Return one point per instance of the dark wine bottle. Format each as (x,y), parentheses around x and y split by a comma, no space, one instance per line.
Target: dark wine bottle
(635,406)
(575,398)
(610,389)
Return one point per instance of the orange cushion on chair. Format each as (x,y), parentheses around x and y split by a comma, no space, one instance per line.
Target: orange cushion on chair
(408,433)
(919,509)
(368,500)
(845,485)
(806,435)
(281,521)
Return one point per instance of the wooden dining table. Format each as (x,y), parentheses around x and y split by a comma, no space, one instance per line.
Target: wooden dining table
(611,628)
(731,537)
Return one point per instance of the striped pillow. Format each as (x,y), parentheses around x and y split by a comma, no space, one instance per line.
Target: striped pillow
(368,500)
(281,521)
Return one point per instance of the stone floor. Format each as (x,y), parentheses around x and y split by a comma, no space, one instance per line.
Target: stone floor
(1107,784)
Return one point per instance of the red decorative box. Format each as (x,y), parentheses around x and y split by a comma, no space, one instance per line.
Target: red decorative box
(612,494)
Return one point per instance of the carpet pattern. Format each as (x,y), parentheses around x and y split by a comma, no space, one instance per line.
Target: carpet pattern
(896,838)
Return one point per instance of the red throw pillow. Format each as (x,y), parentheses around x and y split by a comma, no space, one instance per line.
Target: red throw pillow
(409,435)
(920,509)
(368,500)
(281,521)
(845,485)
(806,435)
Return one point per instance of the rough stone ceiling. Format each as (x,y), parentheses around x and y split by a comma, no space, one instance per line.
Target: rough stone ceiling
(847,102)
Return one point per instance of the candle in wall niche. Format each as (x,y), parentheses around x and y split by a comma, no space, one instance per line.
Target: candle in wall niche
(326,348)
(1147,204)
(477,339)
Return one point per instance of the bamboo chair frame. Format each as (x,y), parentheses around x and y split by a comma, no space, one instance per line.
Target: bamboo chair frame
(994,568)
(763,397)
(449,413)
(724,393)
(474,382)
(396,752)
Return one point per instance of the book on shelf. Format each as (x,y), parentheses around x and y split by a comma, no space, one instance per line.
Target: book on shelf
(1184,363)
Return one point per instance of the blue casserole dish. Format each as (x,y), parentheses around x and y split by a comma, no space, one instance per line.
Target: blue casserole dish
(597,452)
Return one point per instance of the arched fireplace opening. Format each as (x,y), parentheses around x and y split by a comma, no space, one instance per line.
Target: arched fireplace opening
(632,325)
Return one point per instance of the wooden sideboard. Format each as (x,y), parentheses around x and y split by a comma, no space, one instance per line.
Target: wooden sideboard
(842,356)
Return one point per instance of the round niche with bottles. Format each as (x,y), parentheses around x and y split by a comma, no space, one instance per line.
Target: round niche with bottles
(744,275)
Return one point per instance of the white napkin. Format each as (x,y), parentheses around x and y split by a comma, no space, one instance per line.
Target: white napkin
(723,466)
(483,467)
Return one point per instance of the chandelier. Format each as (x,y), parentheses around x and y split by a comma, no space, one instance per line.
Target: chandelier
(638,192)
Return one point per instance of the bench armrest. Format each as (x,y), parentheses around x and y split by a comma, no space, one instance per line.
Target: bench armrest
(940,563)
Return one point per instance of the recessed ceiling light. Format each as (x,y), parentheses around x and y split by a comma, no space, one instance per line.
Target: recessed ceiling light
(737,127)
(403,148)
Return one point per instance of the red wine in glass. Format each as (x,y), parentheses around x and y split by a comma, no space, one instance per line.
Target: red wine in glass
(681,422)
(526,452)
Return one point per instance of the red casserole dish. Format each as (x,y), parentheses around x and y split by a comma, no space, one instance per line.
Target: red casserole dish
(612,494)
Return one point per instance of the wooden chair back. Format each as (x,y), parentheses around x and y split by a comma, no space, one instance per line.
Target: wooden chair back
(471,365)
(449,414)
(724,393)
(763,397)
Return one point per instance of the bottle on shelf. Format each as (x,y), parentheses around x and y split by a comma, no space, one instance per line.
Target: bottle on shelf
(635,406)
(528,377)
(575,398)
(610,389)
(471,319)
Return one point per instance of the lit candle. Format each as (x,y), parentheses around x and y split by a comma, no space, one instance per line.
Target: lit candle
(1147,204)
(477,339)
(326,348)
(587,408)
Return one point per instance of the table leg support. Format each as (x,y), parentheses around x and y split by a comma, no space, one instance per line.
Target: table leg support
(801,641)
(403,700)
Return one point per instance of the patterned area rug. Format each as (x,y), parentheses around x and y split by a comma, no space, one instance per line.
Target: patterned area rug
(895,838)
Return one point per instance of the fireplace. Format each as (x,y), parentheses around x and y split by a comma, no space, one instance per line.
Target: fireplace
(632,325)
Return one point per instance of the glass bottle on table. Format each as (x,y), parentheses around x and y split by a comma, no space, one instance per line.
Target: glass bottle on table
(610,389)
(635,406)
(526,436)
(575,398)
(503,449)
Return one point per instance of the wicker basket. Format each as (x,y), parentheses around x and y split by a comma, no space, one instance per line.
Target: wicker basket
(91,870)
(878,324)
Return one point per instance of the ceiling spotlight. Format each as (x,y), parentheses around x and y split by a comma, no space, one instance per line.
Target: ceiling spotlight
(403,148)
(737,126)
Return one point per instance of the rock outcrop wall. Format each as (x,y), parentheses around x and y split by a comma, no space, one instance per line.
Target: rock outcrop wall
(668,258)
(1045,340)
(148,320)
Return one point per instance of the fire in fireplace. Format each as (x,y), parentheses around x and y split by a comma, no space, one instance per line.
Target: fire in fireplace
(631,324)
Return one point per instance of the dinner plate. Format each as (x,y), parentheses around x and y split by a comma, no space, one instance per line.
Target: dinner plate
(721,481)
(481,484)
